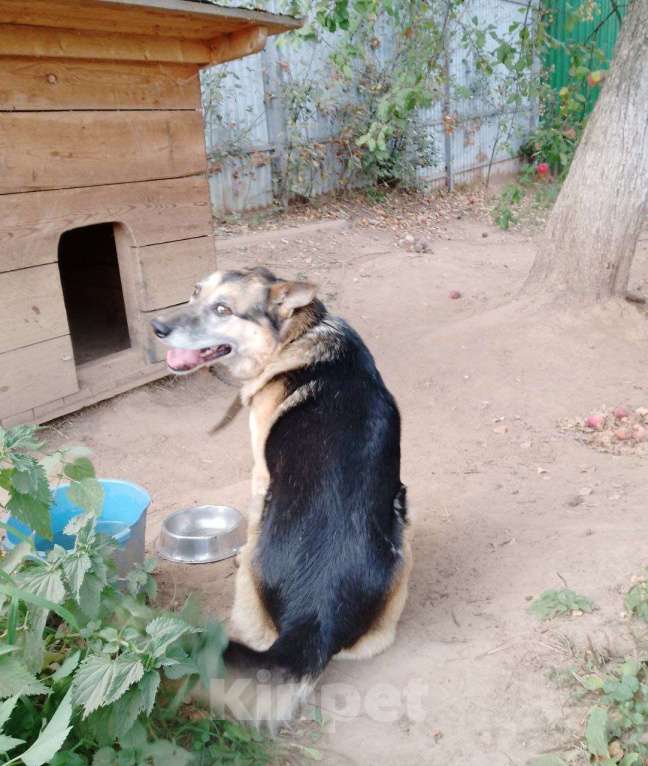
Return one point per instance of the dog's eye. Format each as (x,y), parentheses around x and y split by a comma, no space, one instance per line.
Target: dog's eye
(222,310)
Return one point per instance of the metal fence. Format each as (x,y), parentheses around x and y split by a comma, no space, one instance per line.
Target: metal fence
(246,132)
(599,33)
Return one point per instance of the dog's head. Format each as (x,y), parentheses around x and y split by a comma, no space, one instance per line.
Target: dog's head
(238,319)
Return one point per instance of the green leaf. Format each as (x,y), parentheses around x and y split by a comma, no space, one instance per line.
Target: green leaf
(105,757)
(78,522)
(163,753)
(90,595)
(68,667)
(92,682)
(164,631)
(68,758)
(21,437)
(52,737)
(191,611)
(596,732)
(148,688)
(636,600)
(79,469)
(122,714)
(622,690)
(11,561)
(75,568)
(101,680)
(99,566)
(32,511)
(177,664)
(139,581)
(87,494)
(29,478)
(8,743)
(22,482)
(15,679)
(630,668)
(6,709)
(552,603)
(108,634)
(128,671)
(134,738)
(32,598)
(34,647)
(44,582)
(209,657)
(591,682)
(5,478)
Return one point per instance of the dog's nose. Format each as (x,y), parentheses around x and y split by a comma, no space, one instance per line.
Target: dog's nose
(160,328)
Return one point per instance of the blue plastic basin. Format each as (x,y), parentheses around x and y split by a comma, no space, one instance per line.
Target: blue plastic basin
(122,517)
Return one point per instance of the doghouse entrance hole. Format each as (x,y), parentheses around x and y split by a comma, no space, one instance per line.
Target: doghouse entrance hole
(92,289)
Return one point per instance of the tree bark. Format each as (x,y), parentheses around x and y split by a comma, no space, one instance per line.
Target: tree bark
(592,232)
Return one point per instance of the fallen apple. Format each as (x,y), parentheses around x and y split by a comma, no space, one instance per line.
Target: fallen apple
(595,421)
(595,78)
(542,169)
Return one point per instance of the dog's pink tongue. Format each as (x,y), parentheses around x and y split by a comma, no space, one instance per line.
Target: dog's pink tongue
(183,358)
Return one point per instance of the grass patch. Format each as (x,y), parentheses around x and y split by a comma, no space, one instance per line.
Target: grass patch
(555,603)
(614,690)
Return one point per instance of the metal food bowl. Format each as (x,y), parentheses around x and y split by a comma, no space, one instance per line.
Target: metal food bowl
(202,534)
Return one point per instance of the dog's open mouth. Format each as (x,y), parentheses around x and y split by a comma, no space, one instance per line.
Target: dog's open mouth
(186,359)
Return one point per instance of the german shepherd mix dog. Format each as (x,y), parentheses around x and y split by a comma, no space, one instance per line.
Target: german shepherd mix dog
(325,568)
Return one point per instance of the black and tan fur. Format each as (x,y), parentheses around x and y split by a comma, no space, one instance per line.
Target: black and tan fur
(325,569)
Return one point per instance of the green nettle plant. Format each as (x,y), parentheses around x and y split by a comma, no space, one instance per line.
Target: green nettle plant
(90,671)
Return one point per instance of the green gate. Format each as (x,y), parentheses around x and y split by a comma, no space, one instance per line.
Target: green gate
(599,33)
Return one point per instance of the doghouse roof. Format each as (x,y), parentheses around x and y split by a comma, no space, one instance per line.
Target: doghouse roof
(189,31)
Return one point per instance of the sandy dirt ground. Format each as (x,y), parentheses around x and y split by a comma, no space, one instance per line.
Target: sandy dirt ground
(482,383)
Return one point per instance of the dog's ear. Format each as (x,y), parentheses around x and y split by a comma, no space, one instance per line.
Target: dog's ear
(286,297)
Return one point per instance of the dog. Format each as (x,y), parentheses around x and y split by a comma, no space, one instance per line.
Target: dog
(324,572)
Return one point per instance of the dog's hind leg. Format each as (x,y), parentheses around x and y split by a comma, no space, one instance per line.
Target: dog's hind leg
(250,622)
(382,633)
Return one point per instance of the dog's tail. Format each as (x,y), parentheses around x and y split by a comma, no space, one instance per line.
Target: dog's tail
(265,688)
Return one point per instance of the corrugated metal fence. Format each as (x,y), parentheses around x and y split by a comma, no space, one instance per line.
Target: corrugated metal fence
(247,133)
(598,33)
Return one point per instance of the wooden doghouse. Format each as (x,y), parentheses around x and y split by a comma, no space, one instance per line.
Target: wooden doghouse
(105,218)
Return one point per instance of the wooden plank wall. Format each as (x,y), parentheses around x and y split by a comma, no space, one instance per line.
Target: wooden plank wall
(29,376)
(64,150)
(152,212)
(48,83)
(83,142)
(170,271)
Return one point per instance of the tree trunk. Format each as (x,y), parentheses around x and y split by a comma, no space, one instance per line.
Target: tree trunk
(592,232)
